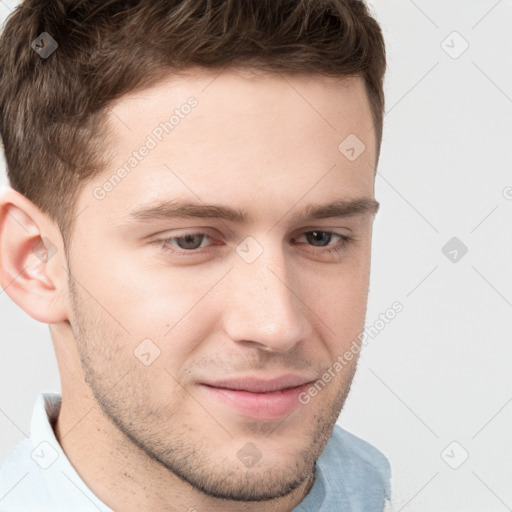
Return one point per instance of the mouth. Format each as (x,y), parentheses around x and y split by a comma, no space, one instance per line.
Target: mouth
(256,398)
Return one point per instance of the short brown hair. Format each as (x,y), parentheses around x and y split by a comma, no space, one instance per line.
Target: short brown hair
(52,110)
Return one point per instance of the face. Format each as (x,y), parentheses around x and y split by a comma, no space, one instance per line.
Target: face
(211,285)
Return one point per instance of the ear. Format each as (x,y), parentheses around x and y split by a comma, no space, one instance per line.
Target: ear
(33,267)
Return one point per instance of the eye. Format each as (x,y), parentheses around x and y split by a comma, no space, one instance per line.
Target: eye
(322,237)
(187,243)
(318,238)
(190,242)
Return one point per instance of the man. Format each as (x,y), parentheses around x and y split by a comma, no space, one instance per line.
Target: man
(191,208)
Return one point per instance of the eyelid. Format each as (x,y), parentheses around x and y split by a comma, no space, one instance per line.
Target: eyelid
(333,233)
(335,230)
(180,232)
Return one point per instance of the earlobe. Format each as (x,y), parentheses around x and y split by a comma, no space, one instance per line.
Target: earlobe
(31,272)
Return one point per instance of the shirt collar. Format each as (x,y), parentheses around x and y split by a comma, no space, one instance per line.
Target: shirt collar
(62,482)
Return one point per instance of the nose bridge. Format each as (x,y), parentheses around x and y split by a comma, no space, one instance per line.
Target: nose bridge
(263,309)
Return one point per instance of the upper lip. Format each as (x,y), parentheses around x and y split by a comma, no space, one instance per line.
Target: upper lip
(256,385)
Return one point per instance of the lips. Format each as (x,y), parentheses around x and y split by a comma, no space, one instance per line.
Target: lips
(255,385)
(258,398)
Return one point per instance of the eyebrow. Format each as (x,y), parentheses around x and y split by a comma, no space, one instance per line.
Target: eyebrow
(186,210)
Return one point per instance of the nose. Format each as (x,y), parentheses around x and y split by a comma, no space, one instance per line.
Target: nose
(265,307)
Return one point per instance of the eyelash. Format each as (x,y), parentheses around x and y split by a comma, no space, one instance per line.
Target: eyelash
(167,246)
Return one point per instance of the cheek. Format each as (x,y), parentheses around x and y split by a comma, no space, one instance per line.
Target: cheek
(139,321)
(346,275)
(148,300)
(338,302)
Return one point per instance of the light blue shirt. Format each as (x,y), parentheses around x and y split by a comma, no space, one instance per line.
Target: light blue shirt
(36,476)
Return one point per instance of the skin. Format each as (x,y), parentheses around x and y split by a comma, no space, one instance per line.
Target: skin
(149,437)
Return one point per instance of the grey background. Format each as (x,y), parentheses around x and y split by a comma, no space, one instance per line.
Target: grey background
(440,371)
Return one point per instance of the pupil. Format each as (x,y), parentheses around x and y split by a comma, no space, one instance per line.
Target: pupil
(189,241)
(320,236)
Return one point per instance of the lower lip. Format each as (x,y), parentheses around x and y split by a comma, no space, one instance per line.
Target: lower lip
(262,406)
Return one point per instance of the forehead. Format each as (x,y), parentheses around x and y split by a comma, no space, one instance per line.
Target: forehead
(248,135)
(236,92)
